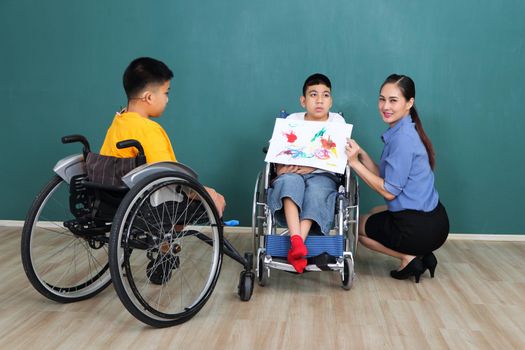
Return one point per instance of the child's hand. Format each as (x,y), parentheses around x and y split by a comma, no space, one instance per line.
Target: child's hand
(352,151)
(283,169)
(304,169)
(297,169)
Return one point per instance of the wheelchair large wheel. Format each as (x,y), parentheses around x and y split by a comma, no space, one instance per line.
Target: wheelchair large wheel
(263,272)
(353,219)
(166,249)
(62,266)
(258,214)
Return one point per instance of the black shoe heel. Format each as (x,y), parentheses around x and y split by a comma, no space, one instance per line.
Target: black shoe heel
(430,262)
(414,268)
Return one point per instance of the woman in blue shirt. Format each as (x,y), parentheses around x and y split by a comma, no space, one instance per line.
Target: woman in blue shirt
(414,223)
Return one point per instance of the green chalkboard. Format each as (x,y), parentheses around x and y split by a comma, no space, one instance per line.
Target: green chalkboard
(237,63)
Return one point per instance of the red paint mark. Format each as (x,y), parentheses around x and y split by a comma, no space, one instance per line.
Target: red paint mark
(291,137)
(327,143)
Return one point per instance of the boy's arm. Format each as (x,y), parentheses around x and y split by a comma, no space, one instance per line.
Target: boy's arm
(218,200)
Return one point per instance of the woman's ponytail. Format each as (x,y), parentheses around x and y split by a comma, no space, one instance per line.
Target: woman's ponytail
(423,136)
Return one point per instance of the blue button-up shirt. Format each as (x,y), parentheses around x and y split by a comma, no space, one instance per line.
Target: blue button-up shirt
(406,170)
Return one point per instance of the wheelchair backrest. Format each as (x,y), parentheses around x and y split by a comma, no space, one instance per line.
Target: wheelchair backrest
(107,170)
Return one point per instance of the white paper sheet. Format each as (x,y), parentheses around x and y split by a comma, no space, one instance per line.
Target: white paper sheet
(315,144)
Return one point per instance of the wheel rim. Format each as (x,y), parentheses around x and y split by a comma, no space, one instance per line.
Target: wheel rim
(64,264)
(256,212)
(156,230)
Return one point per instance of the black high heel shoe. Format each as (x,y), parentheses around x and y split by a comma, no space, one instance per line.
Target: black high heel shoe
(430,262)
(414,268)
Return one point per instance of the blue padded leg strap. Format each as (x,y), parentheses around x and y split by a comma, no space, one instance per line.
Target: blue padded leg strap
(278,246)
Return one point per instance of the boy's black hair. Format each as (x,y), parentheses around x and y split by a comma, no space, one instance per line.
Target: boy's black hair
(143,71)
(316,79)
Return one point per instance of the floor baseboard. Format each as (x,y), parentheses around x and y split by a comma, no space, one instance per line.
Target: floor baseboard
(248,230)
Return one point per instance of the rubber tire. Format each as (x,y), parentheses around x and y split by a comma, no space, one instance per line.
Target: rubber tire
(246,284)
(114,251)
(262,275)
(62,295)
(348,275)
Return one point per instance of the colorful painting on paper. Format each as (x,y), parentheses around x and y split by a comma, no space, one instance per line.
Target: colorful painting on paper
(315,144)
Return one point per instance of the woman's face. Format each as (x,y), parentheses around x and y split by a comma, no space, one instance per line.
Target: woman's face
(392,104)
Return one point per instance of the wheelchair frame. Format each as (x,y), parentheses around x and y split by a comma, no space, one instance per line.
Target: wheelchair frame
(164,222)
(346,224)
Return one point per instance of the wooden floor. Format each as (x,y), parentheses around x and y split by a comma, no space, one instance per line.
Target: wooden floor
(476,301)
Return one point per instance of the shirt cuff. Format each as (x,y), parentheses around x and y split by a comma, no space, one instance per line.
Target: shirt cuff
(392,189)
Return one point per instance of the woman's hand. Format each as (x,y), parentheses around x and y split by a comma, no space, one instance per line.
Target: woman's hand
(296,169)
(352,151)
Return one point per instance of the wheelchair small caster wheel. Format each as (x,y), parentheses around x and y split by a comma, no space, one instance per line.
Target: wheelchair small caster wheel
(348,274)
(245,288)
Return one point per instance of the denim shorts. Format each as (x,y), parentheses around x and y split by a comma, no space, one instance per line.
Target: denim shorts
(314,194)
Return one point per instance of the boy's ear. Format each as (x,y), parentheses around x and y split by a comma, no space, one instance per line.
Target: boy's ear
(302,100)
(148,96)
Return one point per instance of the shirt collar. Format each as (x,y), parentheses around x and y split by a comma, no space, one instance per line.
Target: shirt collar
(387,135)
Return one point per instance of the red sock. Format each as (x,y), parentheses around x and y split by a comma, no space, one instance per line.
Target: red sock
(297,248)
(298,264)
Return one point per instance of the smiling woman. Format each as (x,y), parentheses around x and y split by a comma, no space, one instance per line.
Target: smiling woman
(415,223)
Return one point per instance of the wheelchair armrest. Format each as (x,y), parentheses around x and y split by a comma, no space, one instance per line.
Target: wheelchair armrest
(109,188)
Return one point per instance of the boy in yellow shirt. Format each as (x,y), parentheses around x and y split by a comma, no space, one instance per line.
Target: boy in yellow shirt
(147,83)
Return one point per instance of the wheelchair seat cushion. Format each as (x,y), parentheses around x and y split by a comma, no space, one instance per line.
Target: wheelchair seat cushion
(107,170)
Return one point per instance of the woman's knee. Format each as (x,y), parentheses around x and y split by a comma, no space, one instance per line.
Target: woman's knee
(364,218)
(362,224)
(377,209)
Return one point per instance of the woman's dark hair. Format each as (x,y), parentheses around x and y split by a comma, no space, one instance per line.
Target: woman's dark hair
(316,79)
(408,89)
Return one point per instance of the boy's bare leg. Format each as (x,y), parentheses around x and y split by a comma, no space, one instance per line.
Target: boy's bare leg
(305,228)
(291,213)
(298,251)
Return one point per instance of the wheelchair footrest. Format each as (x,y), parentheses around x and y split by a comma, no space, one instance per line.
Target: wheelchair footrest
(279,245)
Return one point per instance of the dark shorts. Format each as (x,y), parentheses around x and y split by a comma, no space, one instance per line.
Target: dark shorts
(409,231)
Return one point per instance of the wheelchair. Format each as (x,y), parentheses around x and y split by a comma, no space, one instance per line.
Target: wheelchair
(333,252)
(150,229)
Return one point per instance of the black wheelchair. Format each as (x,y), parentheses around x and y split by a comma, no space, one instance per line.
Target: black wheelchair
(150,229)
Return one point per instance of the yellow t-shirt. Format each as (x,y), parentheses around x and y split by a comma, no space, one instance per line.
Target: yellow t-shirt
(150,134)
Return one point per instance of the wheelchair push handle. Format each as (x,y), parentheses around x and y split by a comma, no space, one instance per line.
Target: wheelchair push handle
(133,143)
(130,143)
(77,138)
